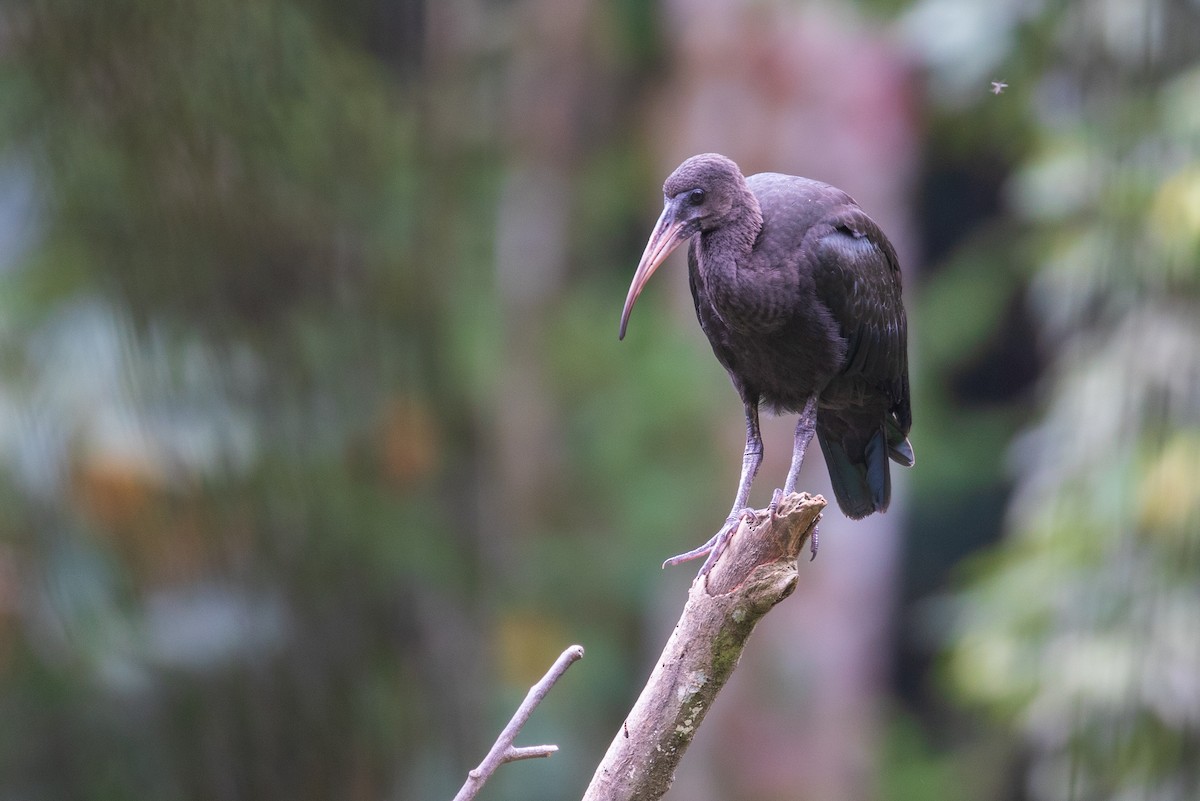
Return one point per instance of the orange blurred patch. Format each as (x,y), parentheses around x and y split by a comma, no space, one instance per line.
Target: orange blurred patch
(156,532)
(409,440)
(114,492)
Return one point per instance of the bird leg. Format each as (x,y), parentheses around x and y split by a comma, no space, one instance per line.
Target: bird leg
(751,459)
(806,426)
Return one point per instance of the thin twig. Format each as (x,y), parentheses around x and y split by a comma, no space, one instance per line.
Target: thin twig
(503,749)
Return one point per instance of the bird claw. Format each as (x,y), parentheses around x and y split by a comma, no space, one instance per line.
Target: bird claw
(773,506)
(695,553)
(715,546)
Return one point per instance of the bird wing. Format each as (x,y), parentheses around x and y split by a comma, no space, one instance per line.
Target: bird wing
(857,275)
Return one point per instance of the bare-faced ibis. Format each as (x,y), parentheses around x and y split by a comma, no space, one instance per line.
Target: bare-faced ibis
(798,291)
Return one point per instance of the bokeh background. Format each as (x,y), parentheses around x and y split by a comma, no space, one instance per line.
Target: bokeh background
(317,444)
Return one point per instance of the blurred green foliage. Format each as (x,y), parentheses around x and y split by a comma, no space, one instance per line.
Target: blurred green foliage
(1083,628)
(254,354)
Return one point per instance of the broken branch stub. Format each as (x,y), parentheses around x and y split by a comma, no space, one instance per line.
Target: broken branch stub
(756,571)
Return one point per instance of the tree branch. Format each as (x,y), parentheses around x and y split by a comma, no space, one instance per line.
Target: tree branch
(503,749)
(756,571)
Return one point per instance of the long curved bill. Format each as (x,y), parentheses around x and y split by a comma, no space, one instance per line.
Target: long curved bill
(668,235)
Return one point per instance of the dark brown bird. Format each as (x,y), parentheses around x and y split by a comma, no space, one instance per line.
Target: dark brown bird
(798,291)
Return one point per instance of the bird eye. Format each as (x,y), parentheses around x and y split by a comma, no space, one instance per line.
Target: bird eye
(695,197)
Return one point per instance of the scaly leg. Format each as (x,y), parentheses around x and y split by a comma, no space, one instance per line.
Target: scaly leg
(751,459)
(806,426)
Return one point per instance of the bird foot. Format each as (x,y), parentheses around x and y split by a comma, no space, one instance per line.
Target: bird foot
(715,546)
(773,506)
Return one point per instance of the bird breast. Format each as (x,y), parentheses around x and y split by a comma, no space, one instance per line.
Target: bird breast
(778,342)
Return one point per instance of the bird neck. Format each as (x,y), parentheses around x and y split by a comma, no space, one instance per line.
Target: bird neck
(728,246)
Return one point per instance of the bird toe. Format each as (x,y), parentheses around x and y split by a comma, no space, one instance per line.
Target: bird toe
(773,506)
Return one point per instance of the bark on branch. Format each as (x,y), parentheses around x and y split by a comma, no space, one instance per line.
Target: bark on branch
(503,749)
(756,571)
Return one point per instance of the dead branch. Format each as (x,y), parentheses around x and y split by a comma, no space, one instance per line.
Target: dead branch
(756,571)
(503,749)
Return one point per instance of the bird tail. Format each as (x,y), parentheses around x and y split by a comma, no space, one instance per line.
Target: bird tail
(861,477)
(899,448)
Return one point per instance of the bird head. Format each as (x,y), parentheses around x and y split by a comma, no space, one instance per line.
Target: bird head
(700,195)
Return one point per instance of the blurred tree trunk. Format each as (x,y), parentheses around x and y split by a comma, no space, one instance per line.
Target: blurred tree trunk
(809,90)
(547,92)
